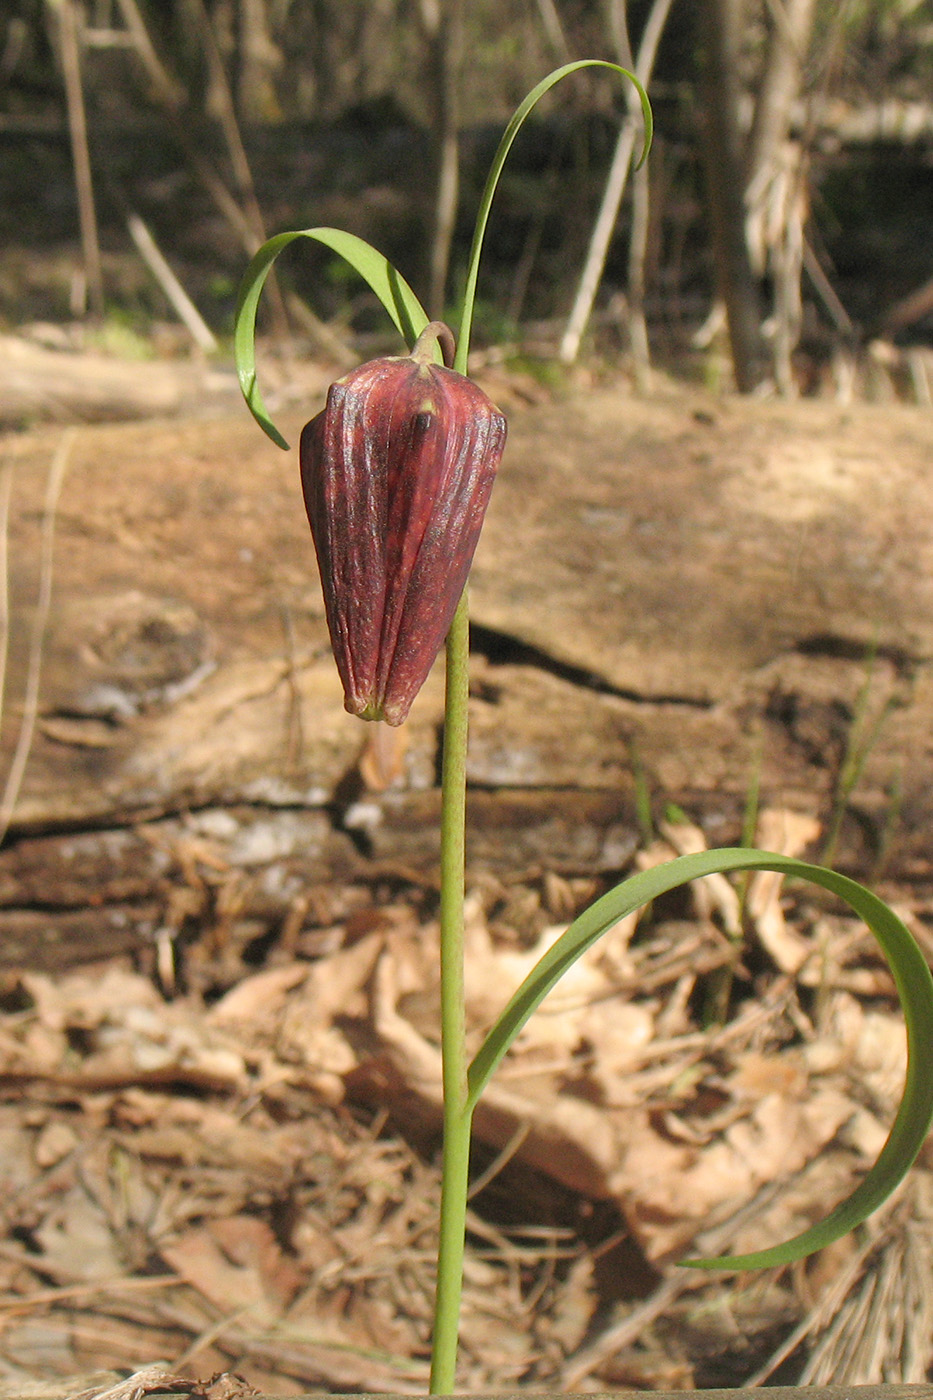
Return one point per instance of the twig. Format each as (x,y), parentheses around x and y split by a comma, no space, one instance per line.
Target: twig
(211,1334)
(827,292)
(551,23)
(515,1143)
(629,1328)
(37,640)
(910,309)
(151,1379)
(614,190)
(226,113)
(242,174)
(183,306)
(168,89)
(54,1297)
(623,1333)
(169,96)
(827,1307)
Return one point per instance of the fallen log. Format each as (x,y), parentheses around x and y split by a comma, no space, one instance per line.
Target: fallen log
(677,601)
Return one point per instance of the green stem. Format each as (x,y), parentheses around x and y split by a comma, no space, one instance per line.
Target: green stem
(457,1115)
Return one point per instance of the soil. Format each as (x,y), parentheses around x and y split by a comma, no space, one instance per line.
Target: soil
(218,895)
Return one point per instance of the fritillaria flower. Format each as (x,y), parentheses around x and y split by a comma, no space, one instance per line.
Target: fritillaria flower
(396,472)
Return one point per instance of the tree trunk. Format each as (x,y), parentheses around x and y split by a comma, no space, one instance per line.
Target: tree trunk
(443,26)
(721,22)
(258,59)
(780,83)
(84,185)
(657,602)
(776,196)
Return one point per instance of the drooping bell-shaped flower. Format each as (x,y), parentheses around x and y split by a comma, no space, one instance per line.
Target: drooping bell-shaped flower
(396,472)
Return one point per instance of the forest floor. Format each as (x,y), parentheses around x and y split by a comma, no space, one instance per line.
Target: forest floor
(218,1124)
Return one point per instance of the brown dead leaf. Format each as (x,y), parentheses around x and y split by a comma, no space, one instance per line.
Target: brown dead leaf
(55,1141)
(870,1044)
(616,1032)
(382,760)
(237,1265)
(250,1243)
(333,987)
(125,1032)
(758,1074)
(787,833)
(259,998)
(76,1240)
(79,1001)
(668,1189)
(583,1004)
(712,894)
(226,1387)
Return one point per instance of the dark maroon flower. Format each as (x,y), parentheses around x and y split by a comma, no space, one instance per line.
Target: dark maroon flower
(396,472)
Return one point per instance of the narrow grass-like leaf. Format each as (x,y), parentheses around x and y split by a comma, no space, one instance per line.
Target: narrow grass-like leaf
(390,287)
(495,170)
(911,976)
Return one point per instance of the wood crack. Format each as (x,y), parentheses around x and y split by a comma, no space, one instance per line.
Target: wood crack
(503,648)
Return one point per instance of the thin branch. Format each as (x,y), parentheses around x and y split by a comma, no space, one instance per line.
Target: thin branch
(239,161)
(827,292)
(245,217)
(638,252)
(551,23)
(80,154)
(37,640)
(183,306)
(615,188)
(618,28)
(170,93)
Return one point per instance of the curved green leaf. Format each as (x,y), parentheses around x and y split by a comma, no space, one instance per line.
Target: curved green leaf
(389,285)
(911,975)
(495,170)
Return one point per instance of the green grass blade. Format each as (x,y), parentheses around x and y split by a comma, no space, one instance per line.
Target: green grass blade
(911,976)
(390,287)
(495,170)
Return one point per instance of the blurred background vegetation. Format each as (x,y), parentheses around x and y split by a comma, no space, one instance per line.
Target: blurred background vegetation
(785,214)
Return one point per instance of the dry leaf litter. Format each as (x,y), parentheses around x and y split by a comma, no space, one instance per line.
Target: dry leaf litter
(211,1169)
